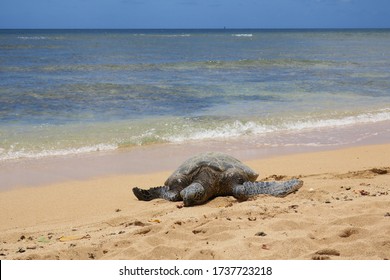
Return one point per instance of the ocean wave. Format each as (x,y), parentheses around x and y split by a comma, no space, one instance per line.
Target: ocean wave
(253,128)
(271,132)
(32,37)
(363,118)
(235,129)
(25,154)
(176,35)
(163,35)
(243,35)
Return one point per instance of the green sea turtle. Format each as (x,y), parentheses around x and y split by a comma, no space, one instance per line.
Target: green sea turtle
(208,175)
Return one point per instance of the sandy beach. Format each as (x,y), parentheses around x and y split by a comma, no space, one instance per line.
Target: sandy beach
(341,212)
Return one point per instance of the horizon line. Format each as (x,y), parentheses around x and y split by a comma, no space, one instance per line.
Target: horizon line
(195,28)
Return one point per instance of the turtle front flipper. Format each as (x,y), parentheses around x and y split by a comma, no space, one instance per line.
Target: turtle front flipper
(157,192)
(194,194)
(274,188)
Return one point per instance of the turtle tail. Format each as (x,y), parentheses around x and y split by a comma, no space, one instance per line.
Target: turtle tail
(274,188)
(152,193)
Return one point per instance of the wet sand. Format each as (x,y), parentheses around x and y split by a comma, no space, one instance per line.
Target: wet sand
(341,212)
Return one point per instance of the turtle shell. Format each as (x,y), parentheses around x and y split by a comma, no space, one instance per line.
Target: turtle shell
(218,161)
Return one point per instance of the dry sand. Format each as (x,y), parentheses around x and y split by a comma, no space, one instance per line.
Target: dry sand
(341,212)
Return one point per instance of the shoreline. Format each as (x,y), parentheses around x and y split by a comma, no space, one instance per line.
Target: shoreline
(166,157)
(341,212)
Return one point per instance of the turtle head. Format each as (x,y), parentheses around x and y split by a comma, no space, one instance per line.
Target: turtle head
(235,176)
(194,194)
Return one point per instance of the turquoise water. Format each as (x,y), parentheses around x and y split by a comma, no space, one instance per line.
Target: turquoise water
(65,92)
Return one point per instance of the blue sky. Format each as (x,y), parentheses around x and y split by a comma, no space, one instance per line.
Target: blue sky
(194,13)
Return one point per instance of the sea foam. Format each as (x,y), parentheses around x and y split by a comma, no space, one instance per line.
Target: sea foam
(32,37)
(253,128)
(25,154)
(243,35)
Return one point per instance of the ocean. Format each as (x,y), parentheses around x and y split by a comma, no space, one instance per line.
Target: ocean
(70,92)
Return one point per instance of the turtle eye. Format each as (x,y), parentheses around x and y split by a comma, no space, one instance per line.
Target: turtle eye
(241,181)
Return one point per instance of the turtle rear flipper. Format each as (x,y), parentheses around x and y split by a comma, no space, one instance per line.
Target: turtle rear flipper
(157,192)
(274,188)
